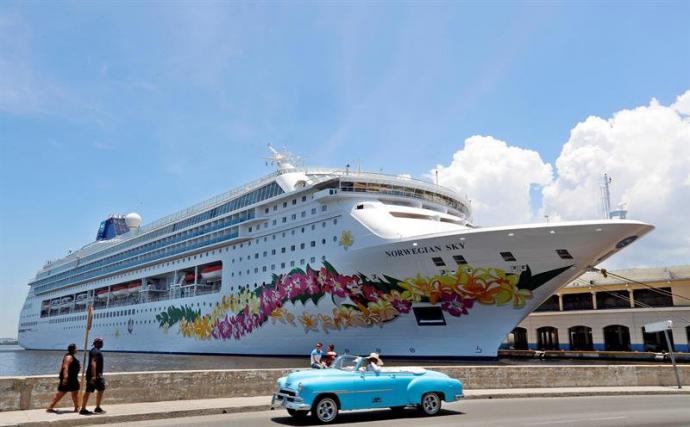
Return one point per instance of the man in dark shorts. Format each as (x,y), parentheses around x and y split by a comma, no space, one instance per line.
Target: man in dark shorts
(94,378)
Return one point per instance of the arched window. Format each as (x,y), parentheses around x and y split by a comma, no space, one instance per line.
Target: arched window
(655,341)
(580,338)
(616,338)
(518,339)
(547,338)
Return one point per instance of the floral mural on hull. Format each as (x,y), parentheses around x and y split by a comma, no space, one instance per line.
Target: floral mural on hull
(360,301)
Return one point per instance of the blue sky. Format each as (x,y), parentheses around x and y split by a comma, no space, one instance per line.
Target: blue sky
(115,107)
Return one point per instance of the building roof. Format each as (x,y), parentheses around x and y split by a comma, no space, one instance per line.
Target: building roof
(643,274)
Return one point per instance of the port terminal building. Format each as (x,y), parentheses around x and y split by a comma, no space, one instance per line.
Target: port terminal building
(607,312)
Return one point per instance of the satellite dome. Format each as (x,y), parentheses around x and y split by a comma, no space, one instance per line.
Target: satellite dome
(133,220)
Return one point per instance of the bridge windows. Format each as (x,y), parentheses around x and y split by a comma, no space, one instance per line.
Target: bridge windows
(581,338)
(547,338)
(616,338)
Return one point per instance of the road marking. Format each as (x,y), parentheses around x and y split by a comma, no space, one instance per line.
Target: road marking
(573,420)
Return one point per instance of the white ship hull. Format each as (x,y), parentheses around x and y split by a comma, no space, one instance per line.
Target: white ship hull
(476,319)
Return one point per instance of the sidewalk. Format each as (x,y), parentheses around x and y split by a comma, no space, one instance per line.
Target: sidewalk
(188,408)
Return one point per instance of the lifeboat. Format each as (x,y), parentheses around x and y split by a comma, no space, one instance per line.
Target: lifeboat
(81,299)
(189,278)
(120,290)
(55,303)
(102,293)
(211,272)
(134,287)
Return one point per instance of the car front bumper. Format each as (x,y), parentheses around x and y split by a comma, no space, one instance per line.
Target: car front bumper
(281,400)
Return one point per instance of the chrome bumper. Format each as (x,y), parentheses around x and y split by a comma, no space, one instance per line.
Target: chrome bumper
(459,396)
(281,400)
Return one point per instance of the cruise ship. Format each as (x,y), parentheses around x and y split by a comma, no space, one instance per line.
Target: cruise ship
(366,261)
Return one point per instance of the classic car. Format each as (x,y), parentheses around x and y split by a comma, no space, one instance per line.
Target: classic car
(344,386)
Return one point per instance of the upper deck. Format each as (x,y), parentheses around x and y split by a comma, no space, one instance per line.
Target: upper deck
(220,219)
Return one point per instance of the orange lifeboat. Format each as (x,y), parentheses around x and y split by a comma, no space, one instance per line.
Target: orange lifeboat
(134,287)
(211,272)
(102,293)
(120,290)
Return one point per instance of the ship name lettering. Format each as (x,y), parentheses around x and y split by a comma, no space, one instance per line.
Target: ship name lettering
(414,251)
(455,246)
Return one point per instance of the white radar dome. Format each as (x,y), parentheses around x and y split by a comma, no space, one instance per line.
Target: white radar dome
(133,220)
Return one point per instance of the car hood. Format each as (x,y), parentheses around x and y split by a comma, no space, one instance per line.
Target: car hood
(307,374)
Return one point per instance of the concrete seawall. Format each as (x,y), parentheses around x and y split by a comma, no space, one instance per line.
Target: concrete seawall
(36,391)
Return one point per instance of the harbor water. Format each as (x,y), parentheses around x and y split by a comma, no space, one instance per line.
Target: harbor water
(15,361)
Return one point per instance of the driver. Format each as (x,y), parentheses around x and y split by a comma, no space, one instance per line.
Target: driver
(374,363)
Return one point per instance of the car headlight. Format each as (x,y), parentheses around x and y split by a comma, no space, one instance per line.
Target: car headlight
(300,387)
(277,386)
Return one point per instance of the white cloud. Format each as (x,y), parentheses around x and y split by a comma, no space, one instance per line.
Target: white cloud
(646,150)
(497,178)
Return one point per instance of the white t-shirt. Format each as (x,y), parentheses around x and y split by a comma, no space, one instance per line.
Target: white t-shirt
(316,356)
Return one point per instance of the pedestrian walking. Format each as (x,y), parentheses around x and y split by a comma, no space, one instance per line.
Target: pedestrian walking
(69,379)
(94,378)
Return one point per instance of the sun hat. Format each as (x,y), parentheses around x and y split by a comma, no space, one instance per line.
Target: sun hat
(376,357)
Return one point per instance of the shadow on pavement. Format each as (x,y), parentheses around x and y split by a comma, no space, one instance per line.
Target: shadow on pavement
(349,417)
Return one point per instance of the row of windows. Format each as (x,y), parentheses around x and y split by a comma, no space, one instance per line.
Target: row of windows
(207,228)
(266,192)
(133,274)
(283,265)
(661,297)
(507,256)
(397,190)
(616,338)
(208,239)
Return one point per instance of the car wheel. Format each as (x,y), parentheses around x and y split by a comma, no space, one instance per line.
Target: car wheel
(325,410)
(431,404)
(297,414)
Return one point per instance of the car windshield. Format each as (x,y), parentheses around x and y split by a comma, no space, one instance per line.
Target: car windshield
(347,362)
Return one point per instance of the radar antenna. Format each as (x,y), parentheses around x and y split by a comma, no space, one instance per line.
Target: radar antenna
(282,160)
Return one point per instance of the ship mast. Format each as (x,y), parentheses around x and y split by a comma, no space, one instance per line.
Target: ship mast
(606,197)
(282,160)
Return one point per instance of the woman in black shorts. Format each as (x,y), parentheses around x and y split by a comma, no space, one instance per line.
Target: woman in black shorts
(69,379)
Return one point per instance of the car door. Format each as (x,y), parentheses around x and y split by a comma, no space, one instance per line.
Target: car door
(375,390)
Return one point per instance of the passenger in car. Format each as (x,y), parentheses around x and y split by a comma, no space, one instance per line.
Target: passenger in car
(315,358)
(374,363)
(330,355)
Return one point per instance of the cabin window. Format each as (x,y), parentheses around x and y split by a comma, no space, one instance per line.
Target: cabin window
(563,253)
(507,256)
(438,261)
(459,259)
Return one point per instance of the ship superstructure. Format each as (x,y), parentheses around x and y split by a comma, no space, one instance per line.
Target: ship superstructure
(368,261)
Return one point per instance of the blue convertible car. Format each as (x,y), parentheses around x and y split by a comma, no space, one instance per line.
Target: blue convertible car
(324,392)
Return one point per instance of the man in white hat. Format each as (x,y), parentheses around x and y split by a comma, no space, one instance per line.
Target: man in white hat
(374,363)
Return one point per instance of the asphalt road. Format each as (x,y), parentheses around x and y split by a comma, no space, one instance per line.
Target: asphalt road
(608,411)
